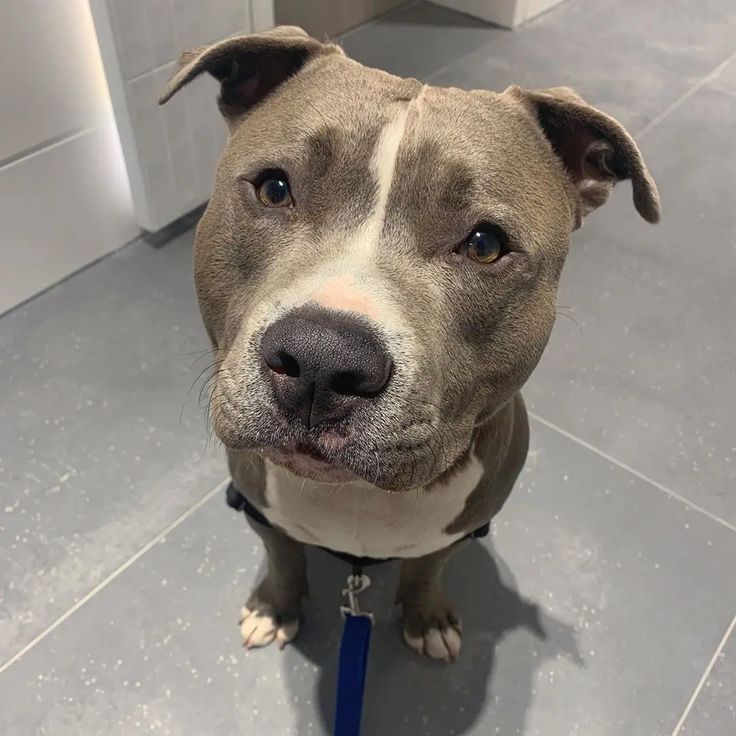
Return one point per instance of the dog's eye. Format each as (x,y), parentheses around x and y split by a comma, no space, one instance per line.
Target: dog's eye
(484,244)
(273,190)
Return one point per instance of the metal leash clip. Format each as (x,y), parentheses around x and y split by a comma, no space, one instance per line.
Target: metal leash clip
(357,583)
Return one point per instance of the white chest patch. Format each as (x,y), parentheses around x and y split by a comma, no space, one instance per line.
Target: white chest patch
(363,520)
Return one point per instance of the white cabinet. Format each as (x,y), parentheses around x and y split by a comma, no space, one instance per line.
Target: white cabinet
(64,194)
(170,152)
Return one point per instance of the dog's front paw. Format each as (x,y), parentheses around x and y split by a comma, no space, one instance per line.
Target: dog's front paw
(434,631)
(259,628)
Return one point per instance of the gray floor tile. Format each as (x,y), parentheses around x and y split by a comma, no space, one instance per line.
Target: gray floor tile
(631,58)
(94,457)
(650,376)
(714,711)
(578,620)
(417,40)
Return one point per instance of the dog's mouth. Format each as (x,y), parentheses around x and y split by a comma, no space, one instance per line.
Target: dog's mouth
(309,462)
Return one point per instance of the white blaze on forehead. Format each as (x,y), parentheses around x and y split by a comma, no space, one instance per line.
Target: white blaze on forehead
(383,166)
(342,291)
(349,277)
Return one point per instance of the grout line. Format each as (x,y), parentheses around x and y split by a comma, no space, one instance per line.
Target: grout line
(48,145)
(114,574)
(153,70)
(686,96)
(633,471)
(242,31)
(701,684)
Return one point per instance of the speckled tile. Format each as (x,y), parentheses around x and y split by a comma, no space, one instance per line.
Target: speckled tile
(94,456)
(600,600)
(714,711)
(631,58)
(578,619)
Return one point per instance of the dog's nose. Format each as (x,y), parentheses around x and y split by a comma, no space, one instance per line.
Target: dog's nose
(323,364)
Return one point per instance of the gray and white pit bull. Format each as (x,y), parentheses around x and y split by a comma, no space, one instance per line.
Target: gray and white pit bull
(377,271)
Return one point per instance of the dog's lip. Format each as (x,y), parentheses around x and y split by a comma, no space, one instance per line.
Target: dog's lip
(300,452)
(308,461)
(311,452)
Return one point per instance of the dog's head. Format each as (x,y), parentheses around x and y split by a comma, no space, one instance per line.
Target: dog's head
(378,265)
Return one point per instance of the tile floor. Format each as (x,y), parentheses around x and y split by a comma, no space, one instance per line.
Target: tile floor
(604,602)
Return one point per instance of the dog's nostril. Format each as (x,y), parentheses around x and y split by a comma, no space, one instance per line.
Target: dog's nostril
(358,383)
(347,383)
(283,364)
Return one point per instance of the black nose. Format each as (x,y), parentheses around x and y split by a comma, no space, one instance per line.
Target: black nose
(323,364)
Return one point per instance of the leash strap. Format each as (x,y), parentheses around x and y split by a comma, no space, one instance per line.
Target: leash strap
(356,639)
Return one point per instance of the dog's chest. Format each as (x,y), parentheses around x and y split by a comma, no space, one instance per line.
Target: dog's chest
(365,521)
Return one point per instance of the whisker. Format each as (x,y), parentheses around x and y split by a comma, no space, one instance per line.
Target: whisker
(194,383)
(571,318)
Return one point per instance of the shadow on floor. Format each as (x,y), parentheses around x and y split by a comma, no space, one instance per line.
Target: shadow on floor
(406,694)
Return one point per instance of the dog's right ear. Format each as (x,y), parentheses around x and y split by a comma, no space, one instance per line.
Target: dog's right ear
(248,67)
(594,149)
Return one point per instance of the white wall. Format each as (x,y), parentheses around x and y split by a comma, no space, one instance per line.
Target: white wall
(64,194)
(170,151)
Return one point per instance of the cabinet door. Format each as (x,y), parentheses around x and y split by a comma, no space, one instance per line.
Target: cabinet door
(170,152)
(64,194)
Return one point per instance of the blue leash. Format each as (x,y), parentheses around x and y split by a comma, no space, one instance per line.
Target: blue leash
(356,639)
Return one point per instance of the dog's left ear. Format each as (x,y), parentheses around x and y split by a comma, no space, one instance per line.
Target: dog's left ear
(248,67)
(595,149)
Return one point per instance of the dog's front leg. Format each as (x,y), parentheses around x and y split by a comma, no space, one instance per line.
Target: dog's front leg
(430,626)
(272,611)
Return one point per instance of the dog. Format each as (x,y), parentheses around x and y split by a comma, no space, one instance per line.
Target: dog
(377,272)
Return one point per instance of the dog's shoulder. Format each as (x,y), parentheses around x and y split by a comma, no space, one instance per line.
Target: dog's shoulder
(501,446)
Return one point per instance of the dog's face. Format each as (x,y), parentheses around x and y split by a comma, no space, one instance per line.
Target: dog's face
(379,261)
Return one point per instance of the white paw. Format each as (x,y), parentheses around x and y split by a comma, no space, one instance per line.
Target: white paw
(259,630)
(441,644)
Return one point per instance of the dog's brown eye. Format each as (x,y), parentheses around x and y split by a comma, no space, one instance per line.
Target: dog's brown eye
(273,190)
(484,245)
